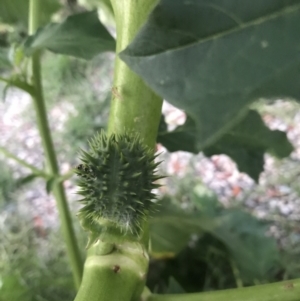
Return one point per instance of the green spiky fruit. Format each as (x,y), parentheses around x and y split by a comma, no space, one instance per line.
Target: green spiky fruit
(116,179)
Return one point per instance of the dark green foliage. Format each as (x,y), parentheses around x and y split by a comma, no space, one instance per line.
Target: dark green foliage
(116,179)
(209,247)
(238,232)
(246,143)
(202,265)
(171,229)
(80,35)
(174,287)
(214,58)
(33,262)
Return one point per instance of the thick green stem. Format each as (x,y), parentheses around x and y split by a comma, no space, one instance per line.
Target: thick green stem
(114,272)
(134,106)
(279,291)
(43,126)
(120,275)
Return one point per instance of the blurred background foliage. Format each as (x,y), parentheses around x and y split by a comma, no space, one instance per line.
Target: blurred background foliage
(204,242)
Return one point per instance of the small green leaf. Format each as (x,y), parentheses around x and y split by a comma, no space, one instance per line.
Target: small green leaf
(17,55)
(213,58)
(25,180)
(49,184)
(246,143)
(5,63)
(81,35)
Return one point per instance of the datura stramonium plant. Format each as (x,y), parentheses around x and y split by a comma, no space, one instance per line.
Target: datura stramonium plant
(117,176)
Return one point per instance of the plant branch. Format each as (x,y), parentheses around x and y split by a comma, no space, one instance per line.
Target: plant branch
(134,108)
(43,126)
(279,291)
(22,85)
(35,170)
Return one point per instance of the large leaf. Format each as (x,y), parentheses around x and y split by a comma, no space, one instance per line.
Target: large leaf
(16,11)
(246,143)
(244,236)
(212,58)
(171,229)
(81,35)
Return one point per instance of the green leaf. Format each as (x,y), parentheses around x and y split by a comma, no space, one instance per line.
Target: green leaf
(26,180)
(206,201)
(171,228)
(5,63)
(16,11)
(11,289)
(246,143)
(244,236)
(81,35)
(50,183)
(183,138)
(213,58)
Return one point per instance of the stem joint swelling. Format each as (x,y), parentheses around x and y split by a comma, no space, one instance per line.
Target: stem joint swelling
(119,275)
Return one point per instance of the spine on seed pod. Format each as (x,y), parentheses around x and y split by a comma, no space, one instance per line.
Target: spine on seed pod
(117,176)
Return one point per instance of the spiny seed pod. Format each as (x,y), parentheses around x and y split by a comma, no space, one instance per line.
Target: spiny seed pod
(117,177)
